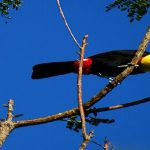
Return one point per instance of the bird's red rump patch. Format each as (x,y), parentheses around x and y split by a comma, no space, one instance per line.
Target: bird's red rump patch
(87,63)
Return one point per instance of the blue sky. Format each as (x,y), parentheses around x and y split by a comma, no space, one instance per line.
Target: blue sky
(36,34)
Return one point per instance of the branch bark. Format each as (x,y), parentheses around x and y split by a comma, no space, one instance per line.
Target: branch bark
(7,126)
(79,87)
(86,141)
(120,106)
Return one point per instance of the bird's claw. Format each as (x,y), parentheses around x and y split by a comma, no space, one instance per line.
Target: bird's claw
(110,79)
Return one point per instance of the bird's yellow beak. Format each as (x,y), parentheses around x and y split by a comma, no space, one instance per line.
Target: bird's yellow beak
(145,63)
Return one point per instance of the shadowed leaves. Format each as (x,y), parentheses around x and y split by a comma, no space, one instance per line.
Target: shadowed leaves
(135,9)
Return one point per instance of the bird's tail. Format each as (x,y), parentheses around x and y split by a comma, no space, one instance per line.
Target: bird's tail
(46,70)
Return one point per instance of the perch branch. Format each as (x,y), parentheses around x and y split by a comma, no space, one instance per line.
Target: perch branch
(79,87)
(95,99)
(66,23)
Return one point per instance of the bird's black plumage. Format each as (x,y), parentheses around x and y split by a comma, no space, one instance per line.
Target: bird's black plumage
(109,63)
(46,70)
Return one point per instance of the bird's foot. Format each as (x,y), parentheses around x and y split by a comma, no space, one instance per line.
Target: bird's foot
(110,79)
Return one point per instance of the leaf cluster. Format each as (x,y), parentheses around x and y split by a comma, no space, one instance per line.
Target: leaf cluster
(74,123)
(5,6)
(136,9)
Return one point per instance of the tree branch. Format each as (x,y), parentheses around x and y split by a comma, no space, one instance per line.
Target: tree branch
(86,136)
(120,106)
(66,24)
(79,85)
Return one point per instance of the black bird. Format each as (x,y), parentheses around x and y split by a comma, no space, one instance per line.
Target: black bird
(108,64)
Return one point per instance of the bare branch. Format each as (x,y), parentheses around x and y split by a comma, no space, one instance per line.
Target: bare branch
(97,97)
(75,111)
(145,100)
(79,84)
(66,24)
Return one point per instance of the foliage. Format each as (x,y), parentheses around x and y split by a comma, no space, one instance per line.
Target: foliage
(136,9)
(74,123)
(5,6)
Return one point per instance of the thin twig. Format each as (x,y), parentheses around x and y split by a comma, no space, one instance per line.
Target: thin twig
(79,87)
(97,144)
(66,24)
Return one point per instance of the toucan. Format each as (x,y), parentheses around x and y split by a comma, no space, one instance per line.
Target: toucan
(107,64)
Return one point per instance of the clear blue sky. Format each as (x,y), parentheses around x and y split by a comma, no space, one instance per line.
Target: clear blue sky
(37,34)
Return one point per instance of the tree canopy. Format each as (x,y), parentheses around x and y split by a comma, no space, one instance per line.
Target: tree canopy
(7,5)
(135,9)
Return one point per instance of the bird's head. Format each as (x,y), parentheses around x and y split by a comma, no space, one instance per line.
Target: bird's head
(145,63)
